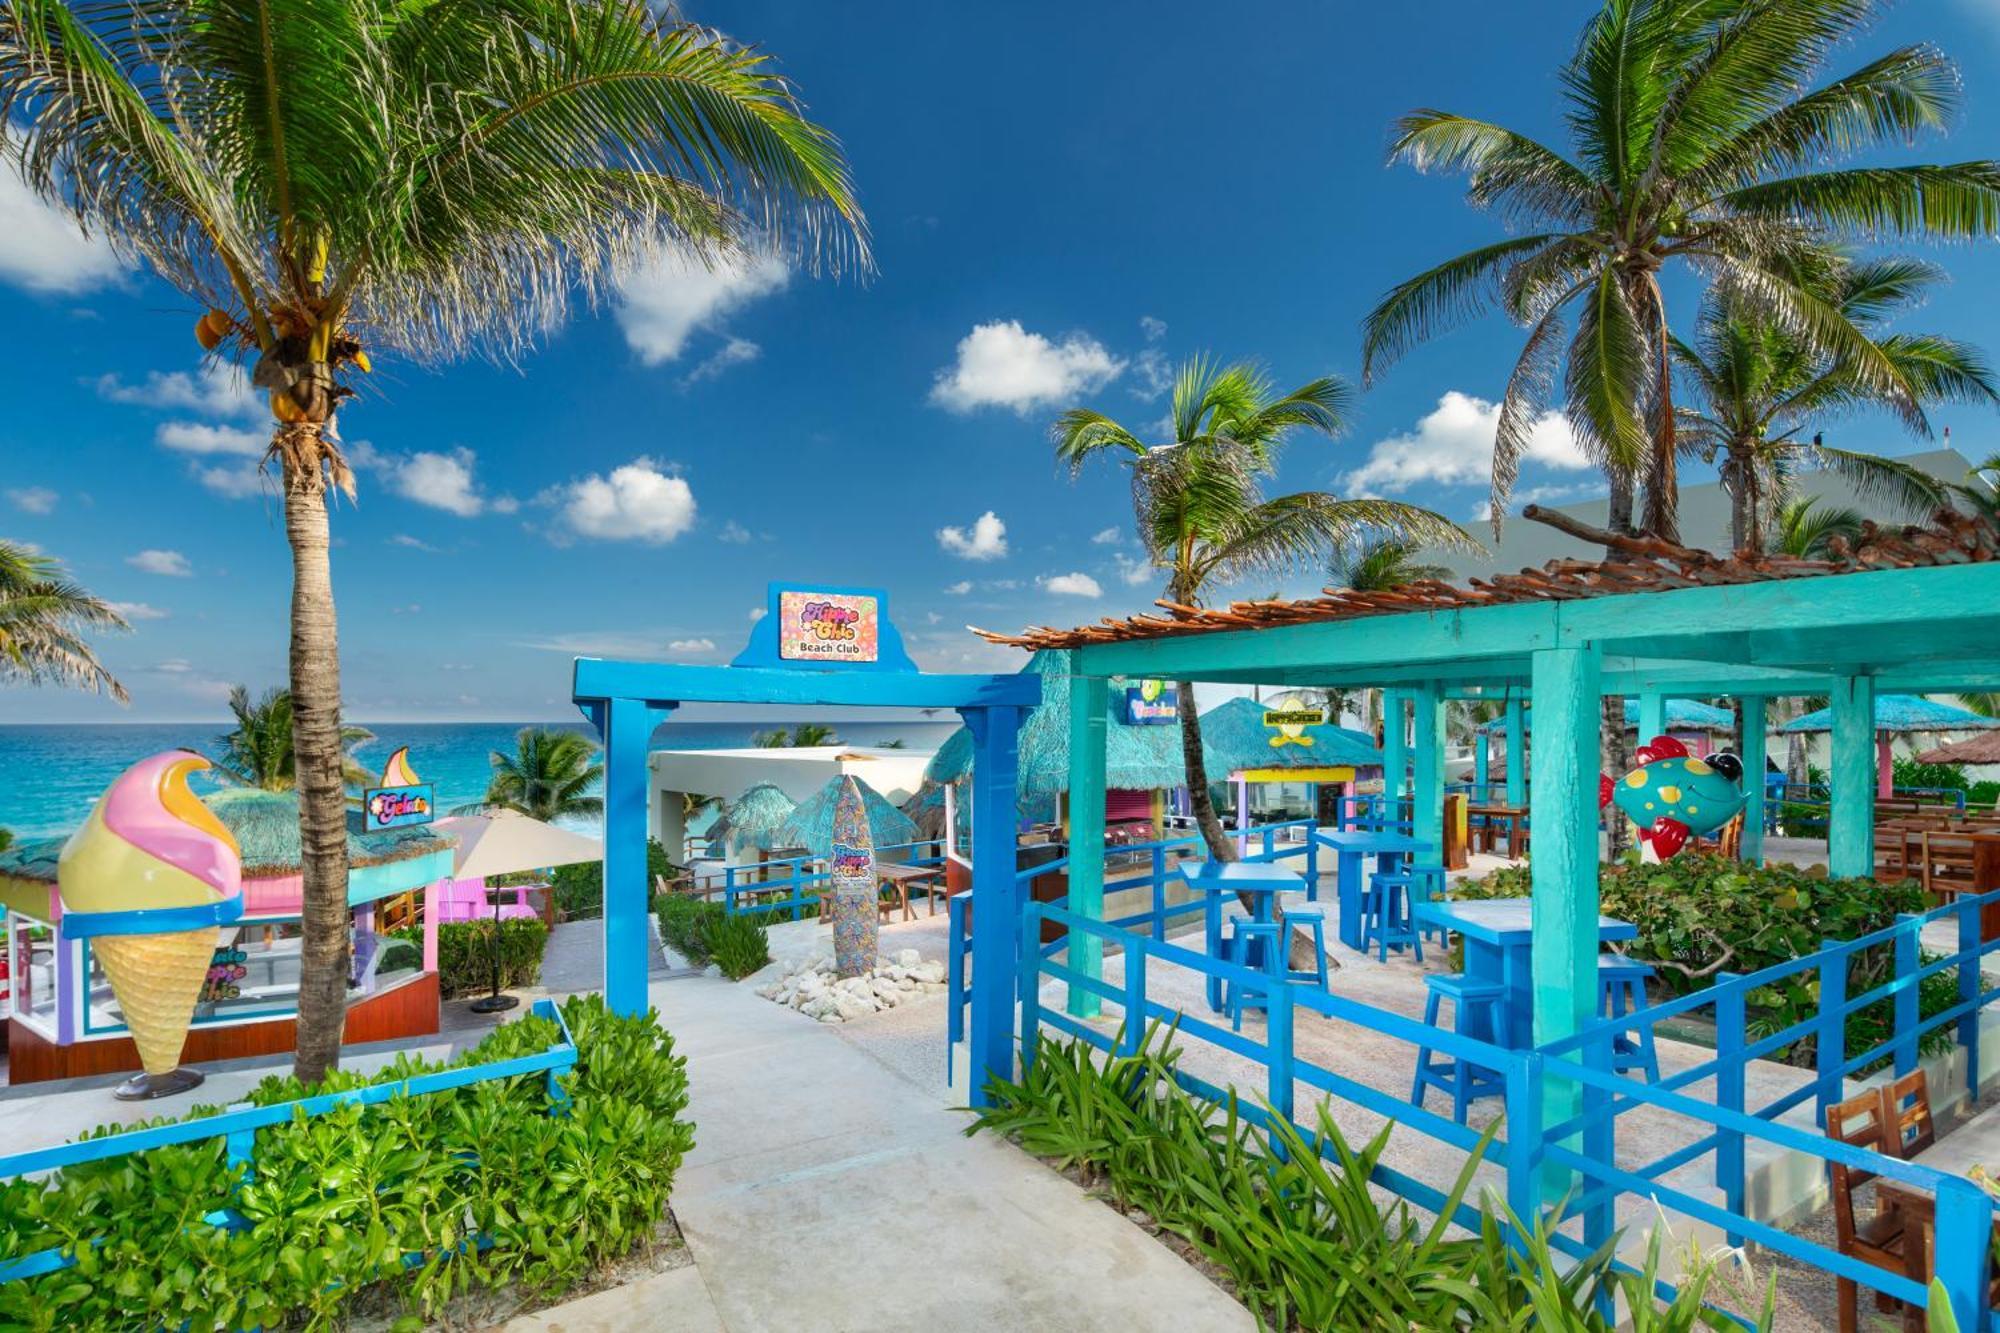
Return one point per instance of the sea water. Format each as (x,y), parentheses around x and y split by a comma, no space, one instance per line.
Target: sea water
(50,775)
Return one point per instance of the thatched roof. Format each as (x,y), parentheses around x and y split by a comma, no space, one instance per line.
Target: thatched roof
(1234,738)
(1682,715)
(1143,758)
(266,826)
(811,825)
(1903,712)
(1981,749)
(752,819)
(926,810)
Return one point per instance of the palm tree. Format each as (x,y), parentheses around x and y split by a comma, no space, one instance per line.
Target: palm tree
(260,751)
(1202,513)
(1377,562)
(1695,147)
(805,733)
(548,776)
(1760,387)
(335,181)
(1980,491)
(43,616)
(1801,528)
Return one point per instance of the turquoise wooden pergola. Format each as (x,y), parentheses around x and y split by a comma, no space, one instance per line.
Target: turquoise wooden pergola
(1667,623)
(820,647)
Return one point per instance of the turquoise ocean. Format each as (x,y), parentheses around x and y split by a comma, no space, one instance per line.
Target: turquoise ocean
(50,774)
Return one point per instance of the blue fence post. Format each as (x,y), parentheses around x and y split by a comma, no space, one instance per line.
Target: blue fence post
(1600,1141)
(1278,1050)
(241,1144)
(729,890)
(954,977)
(1968,988)
(1730,1022)
(1963,1253)
(1312,861)
(1831,1043)
(1135,995)
(1159,891)
(1523,1090)
(1908,927)
(1031,982)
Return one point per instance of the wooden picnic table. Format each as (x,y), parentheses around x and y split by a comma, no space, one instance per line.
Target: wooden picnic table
(1517,826)
(902,878)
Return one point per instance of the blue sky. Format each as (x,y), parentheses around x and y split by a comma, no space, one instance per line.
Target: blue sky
(1065,200)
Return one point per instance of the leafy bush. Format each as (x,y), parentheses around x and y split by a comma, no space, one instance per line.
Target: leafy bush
(1983,796)
(579,889)
(1305,1241)
(1702,914)
(700,931)
(1910,773)
(413,1200)
(465,953)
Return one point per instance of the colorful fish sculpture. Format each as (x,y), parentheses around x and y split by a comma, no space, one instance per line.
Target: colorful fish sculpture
(1673,796)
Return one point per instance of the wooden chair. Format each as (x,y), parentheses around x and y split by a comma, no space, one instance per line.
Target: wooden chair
(1880,1239)
(1946,869)
(1906,1113)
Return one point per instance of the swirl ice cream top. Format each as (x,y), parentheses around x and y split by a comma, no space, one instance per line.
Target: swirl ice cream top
(148,845)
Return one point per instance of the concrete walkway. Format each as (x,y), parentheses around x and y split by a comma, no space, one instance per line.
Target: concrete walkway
(827,1192)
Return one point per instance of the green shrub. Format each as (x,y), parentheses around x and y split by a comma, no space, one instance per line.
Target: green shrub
(1306,1242)
(1910,773)
(1983,795)
(738,945)
(476,1187)
(579,889)
(1702,914)
(399,954)
(699,930)
(465,953)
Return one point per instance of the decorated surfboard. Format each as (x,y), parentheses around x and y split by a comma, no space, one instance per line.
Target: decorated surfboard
(854,891)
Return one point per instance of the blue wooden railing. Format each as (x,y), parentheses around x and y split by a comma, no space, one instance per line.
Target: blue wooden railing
(238,1126)
(801,879)
(1585,1143)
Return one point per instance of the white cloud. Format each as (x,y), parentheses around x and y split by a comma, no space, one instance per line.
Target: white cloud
(1154,328)
(1540,495)
(1453,445)
(960,588)
(1154,374)
(986,541)
(1106,536)
(735,533)
(637,502)
(664,300)
(171,563)
(443,481)
(1132,570)
(241,482)
(691,647)
(218,389)
(137,610)
(757,613)
(735,352)
(1001,364)
(414,543)
(1072,585)
(195,437)
(33,499)
(43,250)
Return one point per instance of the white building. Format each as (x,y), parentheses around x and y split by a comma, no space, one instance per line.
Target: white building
(797,771)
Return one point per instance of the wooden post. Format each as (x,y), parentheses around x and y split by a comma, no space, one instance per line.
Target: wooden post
(627,727)
(1563,957)
(1427,790)
(1850,835)
(1885,767)
(1652,715)
(996,894)
(1088,700)
(1752,746)
(1517,754)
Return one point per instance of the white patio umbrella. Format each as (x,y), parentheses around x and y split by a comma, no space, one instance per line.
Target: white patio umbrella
(507,842)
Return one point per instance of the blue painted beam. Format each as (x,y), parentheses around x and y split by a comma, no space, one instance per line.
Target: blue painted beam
(1753,745)
(626,727)
(1088,699)
(996,895)
(1427,782)
(1850,836)
(596,678)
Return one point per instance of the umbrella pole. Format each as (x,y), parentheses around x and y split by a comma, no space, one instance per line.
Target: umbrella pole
(495,1003)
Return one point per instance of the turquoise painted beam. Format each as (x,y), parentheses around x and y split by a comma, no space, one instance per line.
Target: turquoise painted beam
(1563,812)
(1427,782)
(1850,835)
(1753,744)
(671,683)
(626,727)
(1482,766)
(1088,699)
(996,896)
(1517,751)
(1652,715)
(1395,743)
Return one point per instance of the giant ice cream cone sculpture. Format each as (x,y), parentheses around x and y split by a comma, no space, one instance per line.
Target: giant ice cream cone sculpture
(147,880)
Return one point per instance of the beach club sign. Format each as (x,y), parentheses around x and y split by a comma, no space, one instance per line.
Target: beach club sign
(814,627)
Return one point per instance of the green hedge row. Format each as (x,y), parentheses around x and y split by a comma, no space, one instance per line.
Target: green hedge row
(408,1202)
(465,953)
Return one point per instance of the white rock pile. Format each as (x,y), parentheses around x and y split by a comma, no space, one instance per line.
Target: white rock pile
(811,987)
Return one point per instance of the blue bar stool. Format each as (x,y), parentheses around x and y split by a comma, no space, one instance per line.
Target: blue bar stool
(1241,946)
(1427,884)
(1315,921)
(1621,990)
(1476,1014)
(1385,916)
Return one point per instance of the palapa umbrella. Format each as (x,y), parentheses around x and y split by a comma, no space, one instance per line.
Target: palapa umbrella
(1899,714)
(811,825)
(1981,749)
(752,819)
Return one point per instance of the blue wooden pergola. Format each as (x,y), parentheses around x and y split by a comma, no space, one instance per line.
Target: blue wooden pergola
(802,652)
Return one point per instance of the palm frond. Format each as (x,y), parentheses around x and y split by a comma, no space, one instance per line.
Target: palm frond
(1885,480)
(1437,300)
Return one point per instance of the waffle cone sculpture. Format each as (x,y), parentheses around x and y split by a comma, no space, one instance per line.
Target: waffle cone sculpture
(147,880)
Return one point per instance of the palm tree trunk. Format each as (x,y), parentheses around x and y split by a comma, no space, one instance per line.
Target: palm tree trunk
(1735,477)
(1220,848)
(1617,761)
(1622,488)
(323,953)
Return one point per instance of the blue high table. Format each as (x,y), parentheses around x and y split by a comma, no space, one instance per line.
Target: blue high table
(1349,847)
(1216,880)
(1498,934)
